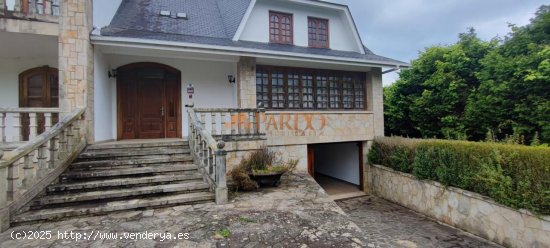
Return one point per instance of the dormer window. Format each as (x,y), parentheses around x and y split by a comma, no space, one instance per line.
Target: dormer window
(280,28)
(318,32)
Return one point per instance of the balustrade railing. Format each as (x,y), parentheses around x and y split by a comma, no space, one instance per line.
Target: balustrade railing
(209,155)
(23,124)
(232,122)
(29,8)
(27,170)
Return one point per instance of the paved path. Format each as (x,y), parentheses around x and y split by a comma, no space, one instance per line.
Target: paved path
(296,214)
(390,225)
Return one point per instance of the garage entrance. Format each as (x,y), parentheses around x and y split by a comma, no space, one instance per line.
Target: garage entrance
(337,167)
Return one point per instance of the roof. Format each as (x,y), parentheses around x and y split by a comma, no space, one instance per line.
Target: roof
(210,22)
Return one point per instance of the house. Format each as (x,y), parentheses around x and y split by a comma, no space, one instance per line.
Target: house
(226,76)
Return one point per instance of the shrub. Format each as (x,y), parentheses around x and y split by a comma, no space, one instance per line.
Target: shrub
(514,175)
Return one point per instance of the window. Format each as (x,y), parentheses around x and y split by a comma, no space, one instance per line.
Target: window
(318,32)
(280,28)
(294,88)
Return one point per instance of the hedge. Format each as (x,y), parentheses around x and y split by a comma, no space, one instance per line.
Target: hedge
(514,175)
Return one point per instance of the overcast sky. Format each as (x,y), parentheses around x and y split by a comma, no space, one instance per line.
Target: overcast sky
(399,29)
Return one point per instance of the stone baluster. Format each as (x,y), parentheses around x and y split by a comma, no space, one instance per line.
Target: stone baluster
(223,121)
(239,122)
(47,121)
(213,121)
(28,171)
(32,6)
(69,138)
(33,126)
(204,155)
(62,152)
(52,148)
(3,186)
(3,7)
(13,180)
(17,5)
(47,7)
(2,127)
(203,119)
(42,167)
(17,127)
(221,183)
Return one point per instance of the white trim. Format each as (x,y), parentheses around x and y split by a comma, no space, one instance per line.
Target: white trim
(240,30)
(344,8)
(235,51)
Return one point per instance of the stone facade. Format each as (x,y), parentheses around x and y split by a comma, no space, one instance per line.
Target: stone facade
(76,60)
(463,209)
(246,82)
(312,127)
(236,150)
(375,99)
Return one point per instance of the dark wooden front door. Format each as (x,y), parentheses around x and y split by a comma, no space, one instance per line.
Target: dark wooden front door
(148,102)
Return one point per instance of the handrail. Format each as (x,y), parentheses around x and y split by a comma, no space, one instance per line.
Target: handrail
(41,139)
(209,155)
(30,168)
(30,110)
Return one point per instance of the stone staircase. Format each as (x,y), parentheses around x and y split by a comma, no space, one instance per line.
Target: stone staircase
(121,176)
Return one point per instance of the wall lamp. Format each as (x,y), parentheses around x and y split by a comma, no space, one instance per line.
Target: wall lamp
(231,79)
(112,73)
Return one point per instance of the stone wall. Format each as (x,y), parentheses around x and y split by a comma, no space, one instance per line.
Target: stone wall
(463,209)
(313,127)
(246,82)
(237,150)
(76,60)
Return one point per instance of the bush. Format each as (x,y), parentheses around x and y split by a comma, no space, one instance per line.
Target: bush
(514,175)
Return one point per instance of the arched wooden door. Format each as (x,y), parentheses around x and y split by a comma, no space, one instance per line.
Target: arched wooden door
(38,88)
(148,101)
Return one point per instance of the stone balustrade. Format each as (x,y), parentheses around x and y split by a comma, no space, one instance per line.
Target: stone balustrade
(23,124)
(31,9)
(233,122)
(27,170)
(208,154)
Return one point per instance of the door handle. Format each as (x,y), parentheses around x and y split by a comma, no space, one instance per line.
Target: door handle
(162,111)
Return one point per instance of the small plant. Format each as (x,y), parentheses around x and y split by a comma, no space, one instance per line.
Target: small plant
(225,233)
(258,163)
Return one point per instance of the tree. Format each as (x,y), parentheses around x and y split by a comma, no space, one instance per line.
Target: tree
(465,89)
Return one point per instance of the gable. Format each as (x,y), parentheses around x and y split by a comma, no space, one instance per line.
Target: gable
(343,35)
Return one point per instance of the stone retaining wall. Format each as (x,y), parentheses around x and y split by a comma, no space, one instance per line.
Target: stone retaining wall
(468,211)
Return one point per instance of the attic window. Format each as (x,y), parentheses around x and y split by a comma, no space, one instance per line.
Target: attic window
(280,28)
(165,13)
(318,32)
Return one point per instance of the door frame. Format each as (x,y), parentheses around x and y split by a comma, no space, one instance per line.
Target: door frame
(311,161)
(119,100)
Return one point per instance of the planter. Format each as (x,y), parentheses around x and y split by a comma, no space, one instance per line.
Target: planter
(267,180)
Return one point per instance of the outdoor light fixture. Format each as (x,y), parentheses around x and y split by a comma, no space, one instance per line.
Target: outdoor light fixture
(231,79)
(112,73)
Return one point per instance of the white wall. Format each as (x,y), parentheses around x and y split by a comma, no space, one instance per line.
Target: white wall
(341,30)
(104,107)
(338,160)
(212,90)
(104,11)
(10,68)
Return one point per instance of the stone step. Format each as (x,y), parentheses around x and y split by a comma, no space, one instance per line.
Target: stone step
(113,163)
(106,207)
(102,195)
(130,171)
(95,155)
(122,182)
(138,145)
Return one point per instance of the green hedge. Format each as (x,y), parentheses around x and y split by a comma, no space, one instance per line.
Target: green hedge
(514,175)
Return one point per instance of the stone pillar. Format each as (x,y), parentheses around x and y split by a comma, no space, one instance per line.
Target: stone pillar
(375,99)
(246,82)
(76,60)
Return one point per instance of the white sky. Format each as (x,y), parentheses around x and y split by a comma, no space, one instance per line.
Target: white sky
(399,29)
